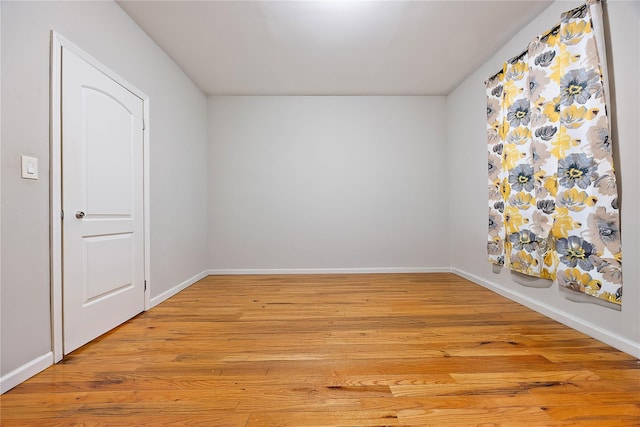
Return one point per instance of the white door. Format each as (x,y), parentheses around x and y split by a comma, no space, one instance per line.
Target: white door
(102,201)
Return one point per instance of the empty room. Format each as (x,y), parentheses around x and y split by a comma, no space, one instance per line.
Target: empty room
(320,213)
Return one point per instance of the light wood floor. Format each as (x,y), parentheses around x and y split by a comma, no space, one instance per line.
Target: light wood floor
(335,350)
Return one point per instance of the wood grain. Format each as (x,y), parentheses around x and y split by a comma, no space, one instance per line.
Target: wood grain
(335,350)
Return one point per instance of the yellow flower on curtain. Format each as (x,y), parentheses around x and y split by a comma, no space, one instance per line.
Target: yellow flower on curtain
(563,223)
(552,38)
(575,279)
(516,71)
(523,261)
(573,117)
(511,156)
(505,189)
(562,143)
(576,200)
(513,219)
(519,135)
(560,64)
(511,92)
(608,296)
(539,104)
(551,110)
(572,32)
(522,200)
(551,185)
(503,130)
(550,259)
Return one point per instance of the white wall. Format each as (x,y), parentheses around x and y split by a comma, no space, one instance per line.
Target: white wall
(177,154)
(468,177)
(327,183)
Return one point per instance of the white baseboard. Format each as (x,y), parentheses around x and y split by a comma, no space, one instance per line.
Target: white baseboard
(26,371)
(371,270)
(171,292)
(594,331)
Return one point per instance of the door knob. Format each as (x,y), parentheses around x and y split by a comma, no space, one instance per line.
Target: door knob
(79,214)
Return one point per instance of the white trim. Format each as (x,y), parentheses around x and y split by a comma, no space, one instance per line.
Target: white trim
(55,199)
(55,182)
(171,292)
(26,371)
(146,159)
(371,270)
(594,331)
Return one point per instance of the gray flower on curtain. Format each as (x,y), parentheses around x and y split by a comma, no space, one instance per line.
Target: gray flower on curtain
(598,137)
(492,136)
(524,239)
(578,86)
(494,192)
(496,248)
(540,224)
(606,184)
(521,178)
(519,113)
(538,81)
(497,91)
(577,13)
(546,132)
(539,154)
(575,251)
(493,107)
(494,165)
(544,59)
(611,269)
(495,224)
(546,206)
(573,279)
(577,169)
(604,230)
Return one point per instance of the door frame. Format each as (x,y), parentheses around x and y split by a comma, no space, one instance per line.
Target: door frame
(55,182)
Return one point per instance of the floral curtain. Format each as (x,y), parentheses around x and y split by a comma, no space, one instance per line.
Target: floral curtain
(553,199)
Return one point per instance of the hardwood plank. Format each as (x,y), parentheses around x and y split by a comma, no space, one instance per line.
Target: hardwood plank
(334,350)
(406,417)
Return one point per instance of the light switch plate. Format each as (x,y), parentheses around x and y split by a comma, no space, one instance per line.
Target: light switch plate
(29,167)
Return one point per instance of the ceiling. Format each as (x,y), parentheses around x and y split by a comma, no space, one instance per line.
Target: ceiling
(330,47)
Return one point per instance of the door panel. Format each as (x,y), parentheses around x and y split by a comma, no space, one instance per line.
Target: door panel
(102,199)
(104,278)
(109,151)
